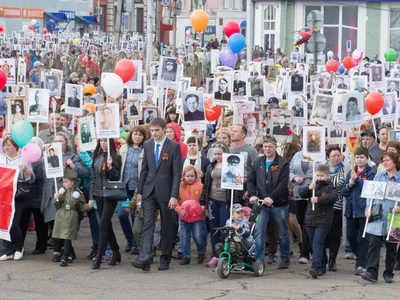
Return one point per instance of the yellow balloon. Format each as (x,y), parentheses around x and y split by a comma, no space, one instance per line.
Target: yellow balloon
(199,20)
(76,41)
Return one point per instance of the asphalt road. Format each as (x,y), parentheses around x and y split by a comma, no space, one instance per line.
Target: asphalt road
(36,277)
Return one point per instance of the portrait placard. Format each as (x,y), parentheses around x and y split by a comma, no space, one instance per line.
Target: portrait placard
(314,143)
(74,97)
(232,171)
(38,105)
(86,134)
(52,157)
(373,189)
(107,121)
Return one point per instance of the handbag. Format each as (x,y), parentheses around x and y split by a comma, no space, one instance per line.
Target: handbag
(114,191)
(23,191)
(376,213)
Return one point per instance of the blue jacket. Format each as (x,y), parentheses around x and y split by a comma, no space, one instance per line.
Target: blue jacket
(379,227)
(355,205)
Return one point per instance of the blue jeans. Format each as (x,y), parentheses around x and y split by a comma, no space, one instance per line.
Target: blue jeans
(280,217)
(317,237)
(218,214)
(126,225)
(199,231)
(94,221)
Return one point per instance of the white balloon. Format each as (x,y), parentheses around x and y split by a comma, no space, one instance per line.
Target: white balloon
(330,53)
(113,85)
(33,22)
(25,28)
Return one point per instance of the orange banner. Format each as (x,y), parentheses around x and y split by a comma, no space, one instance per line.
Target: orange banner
(10,12)
(32,13)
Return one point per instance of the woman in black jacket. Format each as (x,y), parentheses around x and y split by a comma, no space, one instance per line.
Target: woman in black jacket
(105,168)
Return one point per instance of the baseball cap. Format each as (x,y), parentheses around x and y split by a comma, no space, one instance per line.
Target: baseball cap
(368,133)
(273,100)
(237,207)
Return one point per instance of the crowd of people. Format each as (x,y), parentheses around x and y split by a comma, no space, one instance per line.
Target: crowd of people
(163,165)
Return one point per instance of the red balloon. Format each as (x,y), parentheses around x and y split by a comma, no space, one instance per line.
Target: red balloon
(31,27)
(332,66)
(45,30)
(348,62)
(191,211)
(3,79)
(246,212)
(230,28)
(374,103)
(125,69)
(212,112)
(1,29)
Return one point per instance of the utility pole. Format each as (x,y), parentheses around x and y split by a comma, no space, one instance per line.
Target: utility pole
(110,16)
(149,35)
(250,30)
(118,18)
(157,19)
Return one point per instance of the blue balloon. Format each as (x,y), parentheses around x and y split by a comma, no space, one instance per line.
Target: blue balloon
(22,133)
(37,26)
(341,69)
(57,28)
(51,22)
(236,42)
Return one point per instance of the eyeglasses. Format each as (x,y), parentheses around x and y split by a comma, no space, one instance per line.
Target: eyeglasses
(221,146)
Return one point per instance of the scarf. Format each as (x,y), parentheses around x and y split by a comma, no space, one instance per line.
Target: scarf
(197,159)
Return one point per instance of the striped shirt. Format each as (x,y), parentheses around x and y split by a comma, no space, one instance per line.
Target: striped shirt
(337,180)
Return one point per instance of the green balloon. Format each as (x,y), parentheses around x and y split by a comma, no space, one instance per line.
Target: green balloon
(390,55)
(22,133)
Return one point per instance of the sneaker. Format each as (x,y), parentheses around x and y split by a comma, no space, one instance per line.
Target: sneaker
(283,265)
(212,263)
(5,257)
(359,271)
(185,261)
(388,279)
(271,259)
(239,267)
(350,255)
(303,261)
(368,277)
(18,254)
(314,273)
(56,258)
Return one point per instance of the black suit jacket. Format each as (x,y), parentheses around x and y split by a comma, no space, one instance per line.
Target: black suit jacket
(134,111)
(277,130)
(73,102)
(164,178)
(226,96)
(298,113)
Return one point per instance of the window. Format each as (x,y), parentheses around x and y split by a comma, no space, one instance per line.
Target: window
(340,25)
(234,4)
(224,3)
(269,27)
(395,28)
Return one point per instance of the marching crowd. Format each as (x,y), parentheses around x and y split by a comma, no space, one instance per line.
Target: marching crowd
(162,168)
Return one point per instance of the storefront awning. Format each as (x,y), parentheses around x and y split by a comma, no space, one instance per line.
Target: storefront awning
(88,19)
(56,16)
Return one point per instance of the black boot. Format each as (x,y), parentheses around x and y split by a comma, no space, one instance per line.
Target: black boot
(64,261)
(332,263)
(96,264)
(93,253)
(116,258)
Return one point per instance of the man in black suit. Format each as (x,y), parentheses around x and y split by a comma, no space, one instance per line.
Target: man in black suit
(223,93)
(298,109)
(158,188)
(239,86)
(282,128)
(133,110)
(74,101)
(393,88)
(192,104)
(341,84)
(338,131)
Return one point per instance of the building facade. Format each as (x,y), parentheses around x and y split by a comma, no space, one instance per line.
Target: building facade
(372,27)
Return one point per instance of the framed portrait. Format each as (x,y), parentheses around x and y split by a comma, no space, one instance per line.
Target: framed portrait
(389,107)
(107,121)
(149,113)
(52,83)
(86,134)
(133,109)
(353,109)
(322,108)
(193,107)
(394,73)
(136,81)
(21,90)
(184,84)
(210,86)
(215,61)
(254,68)
(336,132)
(8,66)
(151,96)
(170,71)
(376,73)
(394,135)
(342,82)
(240,80)
(365,68)
(280,86)
(74,99)
(223,88)
(16,111)
(245,107)
(232,171)
(392,191)
(373,189)
(297,83)
(257,87)
(58,73)
(358,83)
(282,125)
(253,123)
(294,57)
(38,105)
(298,104)
(140,91)
(314,143)
(393,86)
(302,68)
(52,157)
(272,73)
(21,77)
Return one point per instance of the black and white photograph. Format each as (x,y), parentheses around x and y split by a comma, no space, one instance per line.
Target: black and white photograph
(193,107)
(149,113)
(254,68)
(298,104)
(353,109)
(394,135)
(151,96)
(133,109)
(21,90)
(107,121)
(245,107)
(38,105)
(184,84)
(272,73)
(280,86)
(335,132)
(376,73)
(74,96)
(392,86)
(322,108)
(154,66)
(52,84)
(373,189)
(392,191)
(294,57)
(223,87)
(86,134)
(297,82)
(395,74)
(210,86)
(342,82)
(16,111)
(139,92)
(21,78)
(52,157)
(365,68)
(389,106)
(215,61)
(232,171)
(314,143)
(136,81)
(253,123)
(302,68)
(257,87)
(170,71)
(282,125)
(240,79)
(358,83)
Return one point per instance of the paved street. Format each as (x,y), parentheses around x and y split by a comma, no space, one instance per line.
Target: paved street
(39,278)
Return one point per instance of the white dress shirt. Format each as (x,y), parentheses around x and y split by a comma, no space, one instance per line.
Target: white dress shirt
(161,146)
